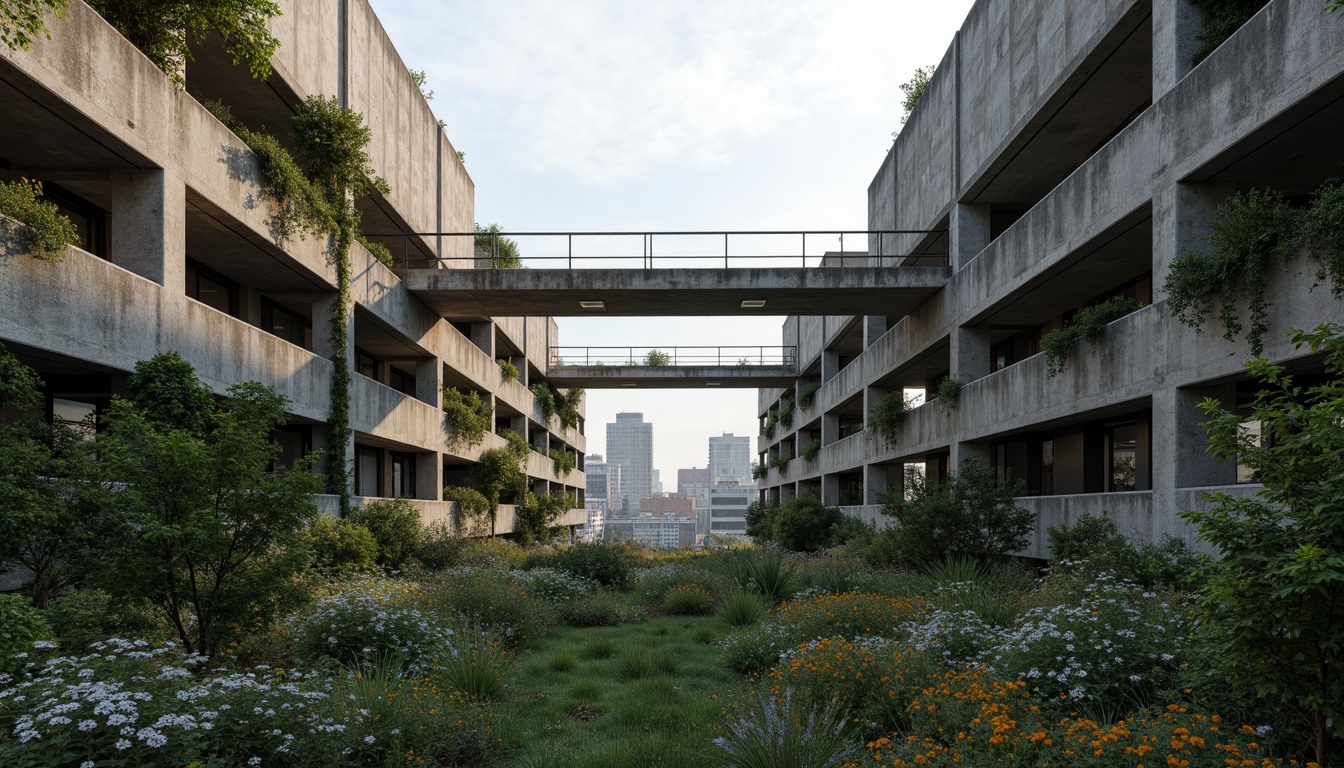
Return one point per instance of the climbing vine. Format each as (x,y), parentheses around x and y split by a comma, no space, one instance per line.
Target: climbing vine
(468,415)
(45,233)
(313,192)
(1060,343)
(567,407)
(542,394)
(1251,231)
(565,461)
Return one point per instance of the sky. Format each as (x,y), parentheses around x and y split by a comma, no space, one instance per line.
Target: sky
(671,115)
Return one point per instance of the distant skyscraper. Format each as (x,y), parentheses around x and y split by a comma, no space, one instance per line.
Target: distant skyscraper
(694,483)
(629,449)
(730,460)
(657,482)
(596,471)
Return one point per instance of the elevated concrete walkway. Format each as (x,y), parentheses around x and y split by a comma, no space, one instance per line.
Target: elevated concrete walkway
(455,293)
(672,377)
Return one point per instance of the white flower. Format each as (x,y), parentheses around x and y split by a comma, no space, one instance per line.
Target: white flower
(254,761)
(369,739)
(86,764)
(123,744)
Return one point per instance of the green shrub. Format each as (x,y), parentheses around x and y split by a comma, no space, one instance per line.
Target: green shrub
(518,444)
(804,524)
(45,233)
(1093,544)
(567,405)
(469,416)
(761,517)
(600,609)
(441,547)
(742,607)
(543,397)
(1221,19)
(21,625)
(969,514)
(502,251)
(368,620)
(490,600)
(565,461)
(507,370)
(688,600)
(339,547)
(607,564)
(395,525)
(810,451)
(1089,323)
(808,394)
(657,358)
(948,392)
(914,89)
(472,508)
(653,584)
(85,616)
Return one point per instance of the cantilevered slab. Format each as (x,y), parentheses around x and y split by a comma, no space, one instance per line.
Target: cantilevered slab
(675,292)
(672,377)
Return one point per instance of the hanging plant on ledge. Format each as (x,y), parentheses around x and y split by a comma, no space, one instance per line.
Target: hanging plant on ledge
(948,392)
(1251,232)
(887,415)
(1061,343)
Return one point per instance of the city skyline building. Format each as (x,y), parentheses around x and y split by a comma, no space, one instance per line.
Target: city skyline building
(630,450)
(730,459)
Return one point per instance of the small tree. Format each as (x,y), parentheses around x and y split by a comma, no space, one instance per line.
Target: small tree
(396,527)
(23,20)
(502,251)
(497,474)
(657,358)
(970,514)
(914,90)
(45,232)
(1273,604)
(804,524)
(213,538)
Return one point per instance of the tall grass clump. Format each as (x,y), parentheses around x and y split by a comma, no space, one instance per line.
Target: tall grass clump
(785,732)
(474,661)
(766,572)
(741,608)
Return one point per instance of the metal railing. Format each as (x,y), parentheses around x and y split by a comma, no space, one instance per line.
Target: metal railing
(556,250)
(659,357)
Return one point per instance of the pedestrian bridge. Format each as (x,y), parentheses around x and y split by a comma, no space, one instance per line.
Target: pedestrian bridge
(740,367)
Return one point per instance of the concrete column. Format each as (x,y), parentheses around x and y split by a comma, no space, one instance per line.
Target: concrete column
(483,336)
(830,490)
(429,476)
(1180,457)
(873,328)
(967,450)
(968,232)
(877,480)
(149,225)
(1181,216)
(969,353)
(830,428)
(249,306)
(1175,25)
(871,396)
(830,364)
(324,304)
(429,381)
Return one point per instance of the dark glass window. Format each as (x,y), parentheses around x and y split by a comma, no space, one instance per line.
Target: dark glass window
(368,471)
(1048,467)
(81,416)
(400,380)
(1122,472)
(366,364)
(212,289)
(283,322)
(403,475)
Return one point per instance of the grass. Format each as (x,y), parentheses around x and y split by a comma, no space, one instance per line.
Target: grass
(642,694)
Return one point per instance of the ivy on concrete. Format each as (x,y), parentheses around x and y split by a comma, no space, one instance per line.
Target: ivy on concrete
(887,415)
(567,407)
(1060,344)
(44,233)
(468,415)
(1252,232)
(542,394)
(811,450)
(948,392)
(165,30)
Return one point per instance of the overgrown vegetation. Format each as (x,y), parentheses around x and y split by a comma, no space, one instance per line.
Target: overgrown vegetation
(567,406)
(469,416)
(502,251)
(1252,233)
(914,89)
(497,473)
(1060,344)
(970,514)
(22,20)
(1272,599)
(395,527)
(565,461)
(507,370)
(1221,19)
(810,451)
(542,394)
(657,358)
(165,30)
(42,231)
(802,524)
(948,392)
(808,394)
(887,415)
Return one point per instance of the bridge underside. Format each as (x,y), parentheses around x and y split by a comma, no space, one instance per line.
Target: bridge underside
(469,293)
(672,377)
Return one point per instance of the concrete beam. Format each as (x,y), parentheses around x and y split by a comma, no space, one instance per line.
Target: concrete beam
(672,377)
(674,292)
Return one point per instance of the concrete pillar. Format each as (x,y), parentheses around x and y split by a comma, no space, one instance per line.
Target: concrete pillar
(1180,457)
(149,225)
(483,336)
(871,396)
(830,364)
(429,381)
(873,328)
(967,450)
(878,479)
(830,490)
(1175,25)
(968,232)
(429,476)
(830,428)
(324,304)
(1181,216)
(969,354)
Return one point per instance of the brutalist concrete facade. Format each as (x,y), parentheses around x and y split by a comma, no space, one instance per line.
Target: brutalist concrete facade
(1071,152)
(178,254)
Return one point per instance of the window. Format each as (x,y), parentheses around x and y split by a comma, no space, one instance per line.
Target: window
(1122,457)
(368,475)
(403,475)
(283,322)
(1048,467)
(366,364)
(90,221)
(80,416)
(212,289)
(295,442)
(400,380)
(1246,474)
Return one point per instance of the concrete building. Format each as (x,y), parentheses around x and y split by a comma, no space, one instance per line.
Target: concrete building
(629,448)
(694,483)
(659,506)
(730,459)
(178,253)
(598,474)
(1065,153)
(594,528)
